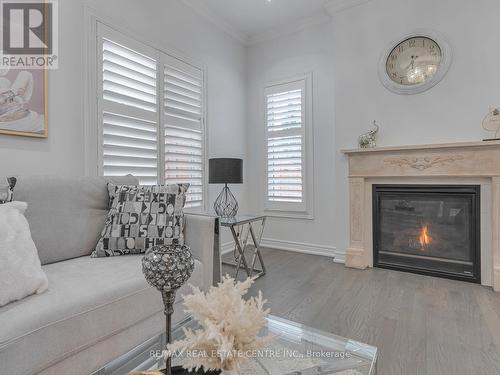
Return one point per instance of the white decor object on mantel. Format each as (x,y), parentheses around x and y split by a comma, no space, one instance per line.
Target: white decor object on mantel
(369,139)
(468,162)
(21,273)
(491,123)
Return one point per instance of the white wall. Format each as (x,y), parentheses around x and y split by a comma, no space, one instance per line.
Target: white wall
(167,24)
(288,57)
(344,57)
(451,111)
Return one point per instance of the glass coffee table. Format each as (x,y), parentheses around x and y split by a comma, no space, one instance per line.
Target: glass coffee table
(301,350)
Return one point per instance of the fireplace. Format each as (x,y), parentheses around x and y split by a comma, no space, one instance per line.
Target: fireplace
(428,229)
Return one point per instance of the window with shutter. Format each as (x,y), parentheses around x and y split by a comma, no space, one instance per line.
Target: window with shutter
(151,115)
(127,108)
(183,127)
(285,110)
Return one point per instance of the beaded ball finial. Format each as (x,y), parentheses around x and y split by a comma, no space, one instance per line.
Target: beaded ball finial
(167,267)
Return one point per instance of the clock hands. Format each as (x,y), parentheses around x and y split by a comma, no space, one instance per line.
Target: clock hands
(412,63)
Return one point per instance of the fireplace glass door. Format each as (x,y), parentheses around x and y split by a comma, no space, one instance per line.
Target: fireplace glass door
(432,230)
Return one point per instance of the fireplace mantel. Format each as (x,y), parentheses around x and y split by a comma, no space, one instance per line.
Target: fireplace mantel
(441,146)
(433,164)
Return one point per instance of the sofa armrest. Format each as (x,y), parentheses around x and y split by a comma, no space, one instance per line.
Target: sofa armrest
(201,234)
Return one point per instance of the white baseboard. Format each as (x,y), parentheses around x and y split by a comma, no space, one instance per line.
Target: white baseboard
(226,247)
(339,257)
(298,247)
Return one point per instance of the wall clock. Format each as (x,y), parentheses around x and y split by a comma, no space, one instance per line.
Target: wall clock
(415,62)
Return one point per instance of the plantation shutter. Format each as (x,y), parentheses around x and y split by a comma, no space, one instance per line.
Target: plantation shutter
(183,125)
(285,146)
(127,107)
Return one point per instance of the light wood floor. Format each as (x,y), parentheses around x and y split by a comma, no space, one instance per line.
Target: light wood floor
(420,324)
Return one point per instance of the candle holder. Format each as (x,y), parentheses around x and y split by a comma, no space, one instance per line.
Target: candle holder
(167,268)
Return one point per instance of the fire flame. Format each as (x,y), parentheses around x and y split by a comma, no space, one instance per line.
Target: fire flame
(424,238)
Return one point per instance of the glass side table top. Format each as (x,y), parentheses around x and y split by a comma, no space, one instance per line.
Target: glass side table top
(239,220)
(301,350)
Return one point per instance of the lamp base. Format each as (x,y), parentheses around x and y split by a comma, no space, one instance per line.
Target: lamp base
(226,204)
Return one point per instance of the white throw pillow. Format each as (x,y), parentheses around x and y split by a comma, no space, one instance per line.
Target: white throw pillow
(21,273)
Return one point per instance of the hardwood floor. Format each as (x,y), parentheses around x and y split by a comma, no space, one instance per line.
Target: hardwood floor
(421,325)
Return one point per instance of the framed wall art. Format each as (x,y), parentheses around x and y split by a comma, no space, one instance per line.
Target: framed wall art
(23,102)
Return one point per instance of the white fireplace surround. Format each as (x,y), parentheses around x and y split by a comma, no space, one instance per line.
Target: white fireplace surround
(471,163)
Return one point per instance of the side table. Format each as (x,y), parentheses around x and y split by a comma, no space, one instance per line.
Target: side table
(237,225)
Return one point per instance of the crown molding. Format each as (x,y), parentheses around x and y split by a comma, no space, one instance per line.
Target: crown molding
(295,27)
(331,7)
(218,21)
(336,6)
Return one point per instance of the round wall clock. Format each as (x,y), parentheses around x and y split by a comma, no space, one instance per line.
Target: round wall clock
(415,62)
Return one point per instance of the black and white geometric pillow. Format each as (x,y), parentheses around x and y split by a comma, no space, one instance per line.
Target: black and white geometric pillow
(141,217)
(7,190)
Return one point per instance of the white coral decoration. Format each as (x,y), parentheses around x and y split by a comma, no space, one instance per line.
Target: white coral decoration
(230,327)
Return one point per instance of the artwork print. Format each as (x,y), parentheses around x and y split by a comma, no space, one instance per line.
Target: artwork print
(23,102)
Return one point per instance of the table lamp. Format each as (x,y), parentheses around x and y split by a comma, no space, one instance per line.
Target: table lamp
(225,171)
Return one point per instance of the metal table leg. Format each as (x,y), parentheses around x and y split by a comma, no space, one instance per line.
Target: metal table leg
(241,243)
(257,252)
(241,253)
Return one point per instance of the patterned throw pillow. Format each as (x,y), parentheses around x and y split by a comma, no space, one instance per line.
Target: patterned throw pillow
(7,190)
(141,217)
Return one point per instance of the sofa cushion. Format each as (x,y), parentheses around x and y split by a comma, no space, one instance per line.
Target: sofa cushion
(20,270)
(66,214)
(89,300)
(91,359)
(141,217)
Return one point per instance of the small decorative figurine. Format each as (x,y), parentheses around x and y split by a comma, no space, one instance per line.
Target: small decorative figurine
(368,140)
(491,123)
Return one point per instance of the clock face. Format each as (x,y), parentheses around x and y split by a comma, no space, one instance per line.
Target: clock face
(414,61)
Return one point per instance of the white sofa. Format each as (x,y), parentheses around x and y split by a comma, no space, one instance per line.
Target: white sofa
(96,309)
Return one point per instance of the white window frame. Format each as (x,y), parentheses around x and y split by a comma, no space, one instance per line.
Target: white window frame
(92,82)
(304,209)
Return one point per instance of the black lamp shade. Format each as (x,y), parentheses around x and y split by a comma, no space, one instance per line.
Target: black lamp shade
(225,171)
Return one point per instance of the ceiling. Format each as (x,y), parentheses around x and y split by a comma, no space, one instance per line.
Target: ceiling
(249,19)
